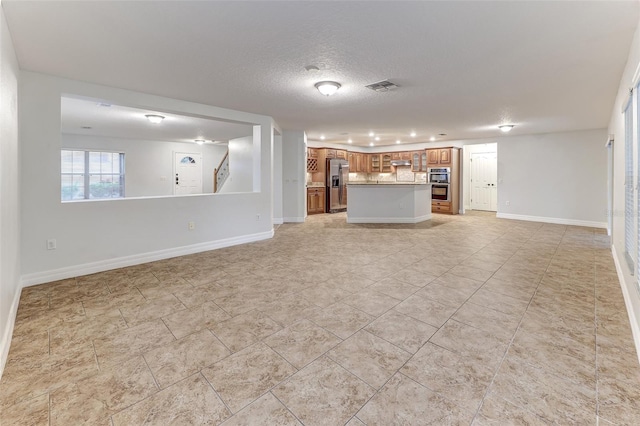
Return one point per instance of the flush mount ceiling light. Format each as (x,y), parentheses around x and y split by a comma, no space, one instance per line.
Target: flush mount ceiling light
(327,88)
(506,127)
(432,138)
(200,141)
(413,134)
(154,118)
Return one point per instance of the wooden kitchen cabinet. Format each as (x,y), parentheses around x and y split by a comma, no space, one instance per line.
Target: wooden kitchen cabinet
(330,153)
(340,153)
(439,157)
(441,206)
(374,163)
(418,161)
(315,200)
(312,160)
(385,160)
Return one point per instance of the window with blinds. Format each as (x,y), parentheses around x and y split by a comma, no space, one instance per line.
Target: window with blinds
(630,237)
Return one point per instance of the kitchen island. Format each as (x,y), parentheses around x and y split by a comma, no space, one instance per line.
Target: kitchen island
(388,202)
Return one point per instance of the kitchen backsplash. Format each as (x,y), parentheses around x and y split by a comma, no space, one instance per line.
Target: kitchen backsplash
(402,176)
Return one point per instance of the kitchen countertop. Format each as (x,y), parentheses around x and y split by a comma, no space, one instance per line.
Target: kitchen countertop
(388,183)
(315,185)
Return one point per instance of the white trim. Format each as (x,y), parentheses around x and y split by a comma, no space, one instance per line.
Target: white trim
(293,219)
(556,220)
(5,343)
(633,321)
(278,221)
(136,259)
(388,219)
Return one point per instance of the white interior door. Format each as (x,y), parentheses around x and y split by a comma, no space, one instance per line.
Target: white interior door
(484,181)
(188,173)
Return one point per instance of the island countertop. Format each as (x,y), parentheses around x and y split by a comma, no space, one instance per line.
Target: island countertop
(390,202)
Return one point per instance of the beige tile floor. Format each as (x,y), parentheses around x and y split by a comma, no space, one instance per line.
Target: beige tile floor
(461,320)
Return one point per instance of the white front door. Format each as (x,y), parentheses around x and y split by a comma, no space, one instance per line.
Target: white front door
(188,173)
(484,181)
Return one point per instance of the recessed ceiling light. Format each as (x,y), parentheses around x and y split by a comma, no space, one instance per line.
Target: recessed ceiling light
(371,134)
(432,138)
(413,134)
(506,127)
(370,143)
(327,88)
(200,141)
(398,141)
(350,141)
(322,137)
(377,138)
(154,118)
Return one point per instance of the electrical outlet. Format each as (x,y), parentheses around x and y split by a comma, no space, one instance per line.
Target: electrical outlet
(192,226)
(258,216)
(51,244)
(508,203)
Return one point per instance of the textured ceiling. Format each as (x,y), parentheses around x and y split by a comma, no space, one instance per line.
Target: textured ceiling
(462,67)
(130,123)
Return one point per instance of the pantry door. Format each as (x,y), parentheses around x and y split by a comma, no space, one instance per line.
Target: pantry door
(484,181)
(187,173)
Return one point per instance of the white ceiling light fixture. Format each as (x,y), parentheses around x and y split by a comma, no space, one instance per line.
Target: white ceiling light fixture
(154,118)
(350,141)
(377,138)
(322,137)
(370,143)
(327,88)
(413,134)
(398,141)
(505,128)
(371,134)
(432,138)
(200,141)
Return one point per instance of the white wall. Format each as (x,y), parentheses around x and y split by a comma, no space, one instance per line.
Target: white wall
(294,170)
(240,166)
(9,190)
(556,177)
(99,235)
(149,164)
(616,127)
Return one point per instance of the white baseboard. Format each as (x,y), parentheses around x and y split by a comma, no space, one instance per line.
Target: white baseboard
(293,219)
(5,342)
(136,259)
(633,320)
(558,221)
(388,219)
(278,221)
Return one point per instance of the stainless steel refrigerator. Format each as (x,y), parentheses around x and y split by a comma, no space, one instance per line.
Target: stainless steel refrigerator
(337,178)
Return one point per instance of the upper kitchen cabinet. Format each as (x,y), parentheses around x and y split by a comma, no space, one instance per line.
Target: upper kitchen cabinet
(374,163)
(418,161)
(385,163)
(341,153)
(439,157)
(312,160)
(330,153)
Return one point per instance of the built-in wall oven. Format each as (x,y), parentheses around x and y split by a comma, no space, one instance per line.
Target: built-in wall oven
(440,192)
(440,179)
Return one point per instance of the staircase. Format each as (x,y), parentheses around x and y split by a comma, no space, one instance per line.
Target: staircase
(221,173)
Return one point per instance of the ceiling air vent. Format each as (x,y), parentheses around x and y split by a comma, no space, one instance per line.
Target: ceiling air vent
(382,86)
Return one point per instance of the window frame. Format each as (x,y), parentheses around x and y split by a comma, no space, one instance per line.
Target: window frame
(86,174)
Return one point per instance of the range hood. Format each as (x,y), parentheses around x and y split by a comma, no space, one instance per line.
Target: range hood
(400,162)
